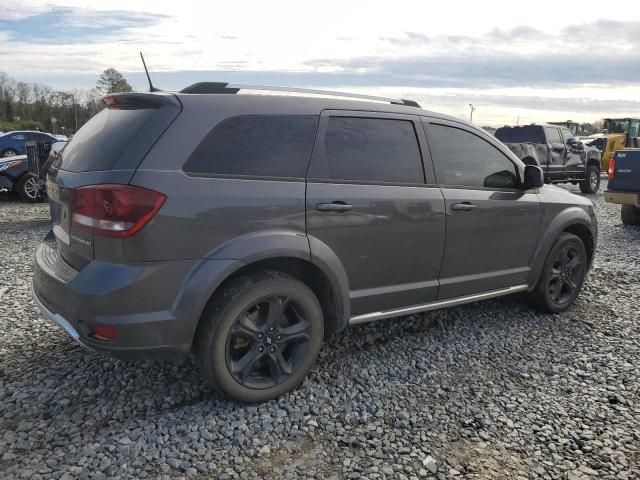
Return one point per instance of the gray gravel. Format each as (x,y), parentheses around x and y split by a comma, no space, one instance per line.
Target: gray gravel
(490,390)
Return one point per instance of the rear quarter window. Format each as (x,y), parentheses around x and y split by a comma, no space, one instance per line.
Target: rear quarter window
(99,143)
(256,145)
(526,134)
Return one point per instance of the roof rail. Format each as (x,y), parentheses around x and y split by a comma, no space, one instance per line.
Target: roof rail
(222,87)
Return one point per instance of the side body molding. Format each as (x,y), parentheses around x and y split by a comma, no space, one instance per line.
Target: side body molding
(549,234)
(210,273)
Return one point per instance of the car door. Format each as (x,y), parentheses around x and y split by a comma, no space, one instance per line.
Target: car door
(492,225)
(557,153)
(575,157)
(368,200)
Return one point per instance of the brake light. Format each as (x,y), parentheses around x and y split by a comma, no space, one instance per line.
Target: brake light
(118,211)
(612,168)
(110,101)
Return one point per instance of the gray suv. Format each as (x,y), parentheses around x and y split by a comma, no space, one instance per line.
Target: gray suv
(246,228)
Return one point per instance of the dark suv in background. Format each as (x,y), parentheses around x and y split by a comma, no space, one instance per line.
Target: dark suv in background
(246,228)
(561,155)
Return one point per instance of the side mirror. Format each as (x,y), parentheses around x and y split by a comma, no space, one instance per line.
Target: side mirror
(558,147)
(533,177)
(575,143)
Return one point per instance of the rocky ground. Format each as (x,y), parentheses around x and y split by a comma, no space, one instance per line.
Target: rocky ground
(489,390)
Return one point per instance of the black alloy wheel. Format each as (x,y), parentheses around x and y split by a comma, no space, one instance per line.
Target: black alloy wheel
(259,336)
(267,342)
(566,275)
(562,275)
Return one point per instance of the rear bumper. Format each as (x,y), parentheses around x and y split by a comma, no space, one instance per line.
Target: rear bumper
(135,299)
(57,319)
(622,198)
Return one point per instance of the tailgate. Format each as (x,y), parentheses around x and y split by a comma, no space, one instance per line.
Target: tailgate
(106,150)
(626,175)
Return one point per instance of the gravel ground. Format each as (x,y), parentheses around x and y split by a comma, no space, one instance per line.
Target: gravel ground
(489,390)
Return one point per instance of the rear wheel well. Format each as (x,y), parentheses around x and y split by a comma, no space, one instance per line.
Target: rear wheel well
(584,234)
(307,273)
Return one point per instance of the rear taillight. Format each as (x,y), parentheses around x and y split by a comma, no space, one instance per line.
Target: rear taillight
(612,168)
(118,211)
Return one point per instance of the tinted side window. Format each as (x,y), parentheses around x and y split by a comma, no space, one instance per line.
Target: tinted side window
(553,136)
(18,136)
(373,149)
(262,145)
(527,133)
(464,159)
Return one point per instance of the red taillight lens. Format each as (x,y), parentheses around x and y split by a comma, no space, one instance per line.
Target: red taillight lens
(612,168)
(118,211)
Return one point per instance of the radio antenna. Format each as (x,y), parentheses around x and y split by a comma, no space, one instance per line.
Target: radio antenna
(151,87)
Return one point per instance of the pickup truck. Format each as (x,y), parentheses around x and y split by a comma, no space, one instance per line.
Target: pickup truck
(562,156)
(624,184)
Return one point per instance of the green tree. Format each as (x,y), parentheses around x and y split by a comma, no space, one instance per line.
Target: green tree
(112,81)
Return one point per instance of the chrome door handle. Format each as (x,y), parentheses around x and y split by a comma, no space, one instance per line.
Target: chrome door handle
(463,207)
(334,207)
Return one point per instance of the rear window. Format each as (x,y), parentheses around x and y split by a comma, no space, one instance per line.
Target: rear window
(526,134)
(256,145)
(99,143)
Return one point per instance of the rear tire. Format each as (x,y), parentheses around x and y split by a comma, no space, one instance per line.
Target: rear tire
(259,336)
(630,215)
(591,183)
(29,189)
(562,275)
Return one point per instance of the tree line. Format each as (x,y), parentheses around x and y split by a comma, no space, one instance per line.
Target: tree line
(35,106)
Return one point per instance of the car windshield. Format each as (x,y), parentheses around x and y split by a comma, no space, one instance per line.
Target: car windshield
(622,126)
(526,134)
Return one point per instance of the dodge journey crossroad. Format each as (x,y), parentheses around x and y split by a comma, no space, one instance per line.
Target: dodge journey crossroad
(245,228)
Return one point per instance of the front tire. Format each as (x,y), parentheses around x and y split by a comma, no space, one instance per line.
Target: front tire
(591,183)
(630,215)
(29,189)
(562,275)
(259,336)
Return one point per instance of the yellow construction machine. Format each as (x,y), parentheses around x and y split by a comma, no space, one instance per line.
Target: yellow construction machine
(617,133)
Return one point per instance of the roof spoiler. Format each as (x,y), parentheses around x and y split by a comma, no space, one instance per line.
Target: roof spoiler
(138,100)
(232,88)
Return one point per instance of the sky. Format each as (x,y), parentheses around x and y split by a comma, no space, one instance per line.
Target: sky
(514,61)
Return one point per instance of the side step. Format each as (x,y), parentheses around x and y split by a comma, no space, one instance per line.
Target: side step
(425,307)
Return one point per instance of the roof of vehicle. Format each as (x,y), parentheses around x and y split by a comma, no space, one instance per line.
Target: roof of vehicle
(274,98)
(308,104)
(27,131)
(532,125)
(277,100)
